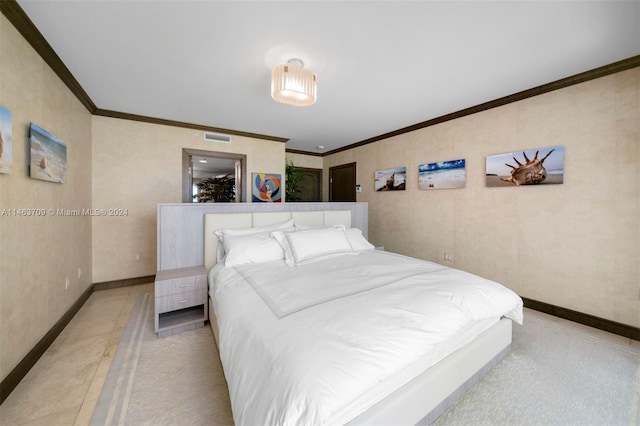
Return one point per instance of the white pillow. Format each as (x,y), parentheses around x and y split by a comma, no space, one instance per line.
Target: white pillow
(220,233)
(284,243)
(258,229)
(357,240)
(300,227)
(282,239)
(311,244)
(251,248)
(220,253)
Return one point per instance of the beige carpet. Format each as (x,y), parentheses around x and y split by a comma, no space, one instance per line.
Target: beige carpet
(176,380)
(554,375)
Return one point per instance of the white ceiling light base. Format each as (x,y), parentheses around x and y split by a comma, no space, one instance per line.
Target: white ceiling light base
(292,84)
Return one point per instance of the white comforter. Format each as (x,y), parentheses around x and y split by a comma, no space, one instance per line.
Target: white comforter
(303,344)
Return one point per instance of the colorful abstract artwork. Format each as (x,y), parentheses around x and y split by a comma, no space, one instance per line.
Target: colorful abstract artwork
(266,188)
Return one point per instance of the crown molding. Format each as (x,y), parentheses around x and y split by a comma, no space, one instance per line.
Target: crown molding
(297,151)
(623,65)
(19,19)
(14,13)
(145,119)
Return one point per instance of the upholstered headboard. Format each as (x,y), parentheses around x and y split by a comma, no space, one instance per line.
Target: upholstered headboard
(215,221)
(181,237)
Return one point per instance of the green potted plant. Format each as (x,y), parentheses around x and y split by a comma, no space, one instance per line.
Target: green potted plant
(292,182)
(219,189)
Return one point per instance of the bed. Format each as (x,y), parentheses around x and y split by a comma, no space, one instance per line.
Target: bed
(329,330)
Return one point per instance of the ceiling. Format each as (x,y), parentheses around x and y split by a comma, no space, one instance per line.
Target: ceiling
(381,65)
(206,166)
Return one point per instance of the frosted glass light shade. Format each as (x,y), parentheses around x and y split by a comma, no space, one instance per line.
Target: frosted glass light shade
(294,85)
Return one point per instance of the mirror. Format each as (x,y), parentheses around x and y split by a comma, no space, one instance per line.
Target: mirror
(210,176)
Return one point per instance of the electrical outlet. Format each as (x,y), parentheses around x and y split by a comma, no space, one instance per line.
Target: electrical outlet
(138,256)
(79,272)
(66,283)
(448,256)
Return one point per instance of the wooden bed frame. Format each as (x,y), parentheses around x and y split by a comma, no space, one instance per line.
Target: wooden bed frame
(424,398)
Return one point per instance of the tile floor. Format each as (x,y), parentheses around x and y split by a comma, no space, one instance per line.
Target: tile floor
(64,386)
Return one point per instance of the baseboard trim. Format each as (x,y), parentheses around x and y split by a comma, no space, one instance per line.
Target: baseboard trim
(586,319)
(106,285)
(12,380)
(16,375)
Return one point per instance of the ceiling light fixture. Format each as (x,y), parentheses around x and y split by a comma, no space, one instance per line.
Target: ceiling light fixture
(292,84)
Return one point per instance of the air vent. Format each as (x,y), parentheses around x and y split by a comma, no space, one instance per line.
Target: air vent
(217,137)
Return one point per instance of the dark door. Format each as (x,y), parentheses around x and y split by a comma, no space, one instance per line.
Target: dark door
(342,183)
(310,184)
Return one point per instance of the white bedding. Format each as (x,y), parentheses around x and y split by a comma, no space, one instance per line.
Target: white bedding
(313,343)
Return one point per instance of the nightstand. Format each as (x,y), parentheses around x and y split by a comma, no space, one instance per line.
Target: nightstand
(181,300)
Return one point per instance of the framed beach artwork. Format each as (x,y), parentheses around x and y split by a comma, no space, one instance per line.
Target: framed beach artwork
(391,179)
(48,155)
(540,166)
(266,188)
(6,135)
(443,175)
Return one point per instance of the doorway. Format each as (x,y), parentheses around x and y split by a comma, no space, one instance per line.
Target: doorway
(342,183)
(221,175)
(309,185)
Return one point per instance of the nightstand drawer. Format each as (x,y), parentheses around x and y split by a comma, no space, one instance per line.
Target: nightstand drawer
(180,301)
(180,285)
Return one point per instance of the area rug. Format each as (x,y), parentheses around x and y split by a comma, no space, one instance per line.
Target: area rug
(176,380)
(554,375)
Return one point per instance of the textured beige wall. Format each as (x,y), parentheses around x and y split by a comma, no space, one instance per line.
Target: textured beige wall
(37,253)
(138,165)
(302,160)
(575,245)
